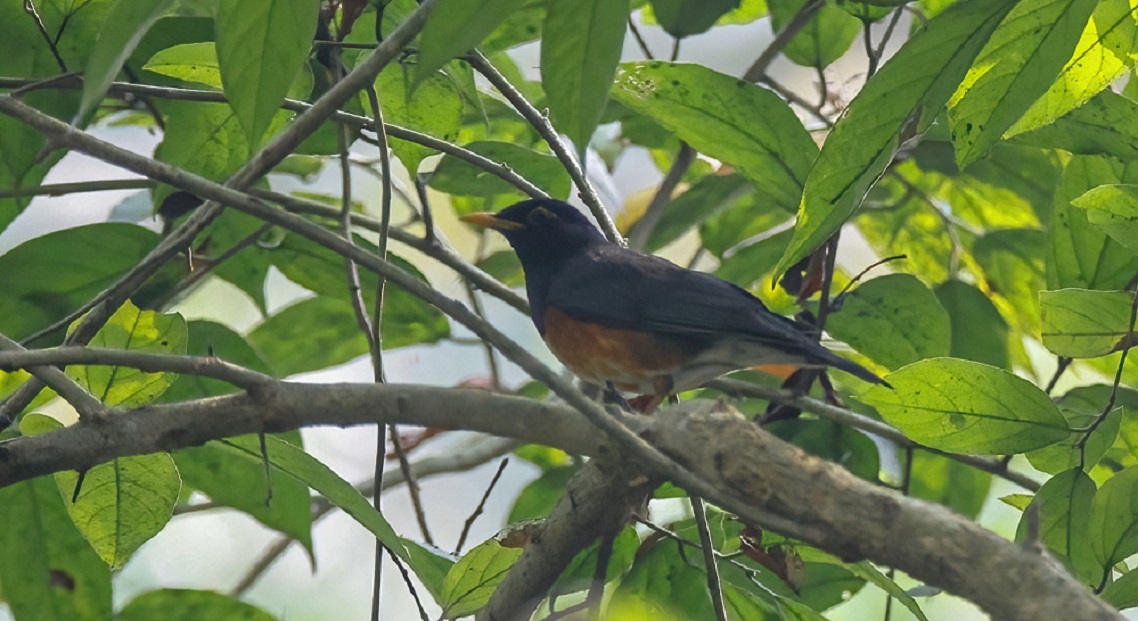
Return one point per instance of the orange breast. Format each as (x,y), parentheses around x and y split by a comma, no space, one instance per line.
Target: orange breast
(631,359)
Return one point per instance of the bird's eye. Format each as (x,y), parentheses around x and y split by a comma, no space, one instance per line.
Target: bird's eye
(541,215)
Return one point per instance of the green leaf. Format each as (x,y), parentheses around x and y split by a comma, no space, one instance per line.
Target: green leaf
(472,580)
(540,495)
(237,482)
(1079,323)
(455,176)
(742,219)
(207,338)
(661,585)
(431,567)
(122,503)
(248,268)
(188,62)
(578,574)
(261,47)
(744,125)
(293,461)
(580,49)
(842,445)
(978,331)
(427,102)
(456,26)
(310,335)
(1017,65)
(1105,50)
(1114,210)
(1065,521)
(683,18)
(127,23)
(967,407)
(1013,266)
(948,482)
(132,330)
(706,198)
(203,138)
(48,570)
(749,264)
(1080,407)
(1113,525)
(1082,256)
(189,605)
(1105,125)
(1122,593)
(901,99)
(866,571)
(47,277)
(894,320)
(824,39)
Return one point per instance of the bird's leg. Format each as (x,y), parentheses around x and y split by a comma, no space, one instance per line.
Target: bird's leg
(799,384)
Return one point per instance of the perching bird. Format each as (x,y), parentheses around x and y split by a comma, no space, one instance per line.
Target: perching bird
(643,323)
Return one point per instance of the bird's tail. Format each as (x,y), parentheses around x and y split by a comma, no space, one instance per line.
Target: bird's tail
(831,359)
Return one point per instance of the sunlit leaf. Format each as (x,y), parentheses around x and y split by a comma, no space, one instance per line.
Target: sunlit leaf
(456,26)
(894,320)
(1114,210)
(1078,323)
(187,605)
(1064,504)
(127,23)
(426,102)
(1105,125)
(472,580)
(823,39)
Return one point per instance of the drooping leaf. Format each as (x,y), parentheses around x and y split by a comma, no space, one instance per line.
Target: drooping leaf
(1105,125)
(134,330)
(203,138)
(189,605)
(1113,527)
(261,47)
(1065,505)
(951,483)
(538,497)
(1017,65)
(472,580)
(703,200)
(578,574)
(455,176)
(48,277)
(824,39)
(127,23)
(456,26)
(901,99)
(739,123)
(683,18)
(979,332)
(41,551)
(895,320)
(1079,323)
(1114,210)
(1081,408)
(431,567)
(1104,51)
(580,49)
(122,503)
(426,102)
(1012,261)
(310,335)
(1082,256)
(1123,592)
(967,407)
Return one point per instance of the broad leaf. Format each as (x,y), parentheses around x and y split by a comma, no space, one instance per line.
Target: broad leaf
(1113,528)
(1078,323)
(824,39)
(455,176)
(122,503)
(47,277)
(1081,407)
(539,496)
(967,407)
(456,26)
(133,330)
(431,567)
(683,18)
(948,482)
(472,580)
(894,320)
(1012,261)
(261,47)
(739,123)
(1064,504)
(310,335)
(1114,210)
(1017,65)
(127,23)
(188,605)
(428,103)
(979,332)
(580,49)
(41,551)
(1123,592)
(189,62)
(901,99)
(1105,125)
(1105,50)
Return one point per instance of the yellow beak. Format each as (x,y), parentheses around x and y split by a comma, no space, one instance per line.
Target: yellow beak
(487,220)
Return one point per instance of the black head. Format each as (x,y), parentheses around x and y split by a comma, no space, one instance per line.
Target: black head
(541,231)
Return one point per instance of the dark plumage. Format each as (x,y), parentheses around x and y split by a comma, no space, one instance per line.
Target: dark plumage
(637,320)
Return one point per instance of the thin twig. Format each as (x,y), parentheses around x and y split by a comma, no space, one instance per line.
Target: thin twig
(759,68)
(30,9)
(1063,362)
(60,189)
(410,587)
(714,586)
(412,485)
(642,231)
(639,39)
(481,505)
(539,122)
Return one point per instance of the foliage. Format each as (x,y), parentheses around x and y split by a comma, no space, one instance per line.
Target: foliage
(996,150)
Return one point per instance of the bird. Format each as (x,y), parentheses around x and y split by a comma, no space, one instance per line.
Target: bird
(636,322)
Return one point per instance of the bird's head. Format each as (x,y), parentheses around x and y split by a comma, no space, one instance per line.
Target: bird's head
(541,230)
